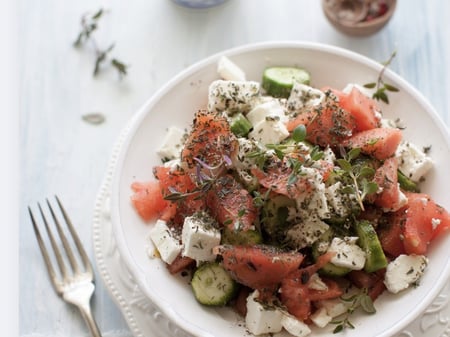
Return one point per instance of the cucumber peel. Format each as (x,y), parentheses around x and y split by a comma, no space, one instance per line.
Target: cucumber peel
(369,242)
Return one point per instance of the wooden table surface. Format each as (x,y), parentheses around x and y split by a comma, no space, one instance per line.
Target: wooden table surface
(60,153)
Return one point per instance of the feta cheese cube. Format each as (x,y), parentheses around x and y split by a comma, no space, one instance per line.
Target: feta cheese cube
(294,326)
(167,245)
(303,96)
(306,233)
(339,203)
(404,271)
(365,91)
(320,317)
(260,319)
(241,158)
(269,131)
(228,70)
(271,109)
(172,144)
(314,203)
(348,253)
(413,162)
(334,307)
(232,95)
(199,236)
(316,283)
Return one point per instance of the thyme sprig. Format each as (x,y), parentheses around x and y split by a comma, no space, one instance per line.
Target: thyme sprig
(382,87)
(363,300)
(89,24)
(361,184)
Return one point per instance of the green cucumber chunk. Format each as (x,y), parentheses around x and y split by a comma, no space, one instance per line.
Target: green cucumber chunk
(278,81)
(241,238)
(369,242)
(212,285)
(240,125)
(406,183)
(274,222)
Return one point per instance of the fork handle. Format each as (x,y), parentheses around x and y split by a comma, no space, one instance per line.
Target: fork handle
(86,312)
(80,296)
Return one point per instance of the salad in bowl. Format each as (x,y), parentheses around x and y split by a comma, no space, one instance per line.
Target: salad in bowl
(297,208)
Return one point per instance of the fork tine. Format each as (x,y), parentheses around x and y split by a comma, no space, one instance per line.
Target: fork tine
(76,239)
(65,242)
(43,249)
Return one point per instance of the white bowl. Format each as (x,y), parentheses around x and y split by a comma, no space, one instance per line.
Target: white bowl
(176,103)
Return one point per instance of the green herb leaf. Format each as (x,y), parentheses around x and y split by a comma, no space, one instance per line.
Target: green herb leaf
(370,85)
(299,133)
(344,164)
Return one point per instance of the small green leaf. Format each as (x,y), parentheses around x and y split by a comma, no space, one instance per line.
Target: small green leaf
(370,187)
(367,304)
(353,153)
(344,164)
(370,85)
(366,172)
(292,179)
(348,189)
(390,87)
(98,14)
(299,133)
(338,328)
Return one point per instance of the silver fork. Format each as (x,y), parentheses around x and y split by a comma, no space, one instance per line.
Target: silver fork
(75,286)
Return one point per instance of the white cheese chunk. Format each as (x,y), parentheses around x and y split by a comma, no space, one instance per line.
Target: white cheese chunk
(199,236)
(306,233)
(269,131)
(413,162)
(334,307)
(260,319)
(172,144)
(167,245)
(228,70)
(316,283)
(339,203)
(241,158)
(365,91)
(232,95)
(404,271)
(314,203)
(271,109)
(294,326)
(320,317)
(303,96)
(348,253)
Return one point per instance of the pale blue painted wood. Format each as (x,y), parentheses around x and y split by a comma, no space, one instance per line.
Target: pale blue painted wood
(62,154)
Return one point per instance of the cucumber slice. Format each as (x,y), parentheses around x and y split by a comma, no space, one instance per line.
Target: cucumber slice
(278,81)
(240,125)
(368,241)
(212,285)
(329,269)
(241,238)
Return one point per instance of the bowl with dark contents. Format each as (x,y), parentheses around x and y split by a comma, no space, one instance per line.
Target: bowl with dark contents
(359,17)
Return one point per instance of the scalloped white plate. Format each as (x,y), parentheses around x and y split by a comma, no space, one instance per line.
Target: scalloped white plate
(176,103)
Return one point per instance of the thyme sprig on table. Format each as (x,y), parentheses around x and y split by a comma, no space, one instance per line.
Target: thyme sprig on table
(361,299)
(89,24)
(381,87)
